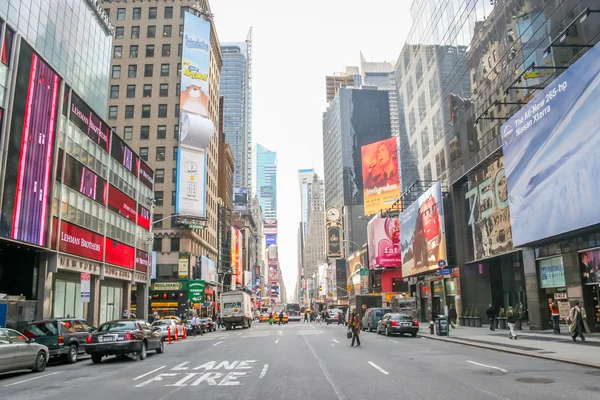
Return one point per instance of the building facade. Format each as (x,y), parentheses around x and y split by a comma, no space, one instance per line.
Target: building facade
(266,181)
(315,243)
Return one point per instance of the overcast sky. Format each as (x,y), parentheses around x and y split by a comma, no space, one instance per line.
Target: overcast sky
(295,45)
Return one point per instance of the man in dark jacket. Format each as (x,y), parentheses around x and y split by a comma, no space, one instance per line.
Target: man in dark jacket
(491,314)
(452,316)
(280,317)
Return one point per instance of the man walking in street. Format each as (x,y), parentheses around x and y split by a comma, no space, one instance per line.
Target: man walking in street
(578,324)
(355,323)
(452,316)
(555,317)
(491,314)
(511,320)
(281,317)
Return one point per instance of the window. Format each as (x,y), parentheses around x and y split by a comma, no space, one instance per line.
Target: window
(152,13)
(128,133)
(166,50)
(173,198)
(151,31)
(181,30)
(113,111)
(174,175)
(150,50)
(148,70)
(177,110)
(129,111)
(135,32)
(177,89)
(162,111)
(175,244)
(133,51)
(157,244)
(161,132)
(132,71)
(168,12)
(167,30)
(17,338)
(159,197)
(118,52)
(119,32)
(146,111)
(182,11)
(164,90)
(175,151)
(147,91)
(130,91)
(176,132)
(160,154)
(107,11)
(144,132)
(164,69)
(120,14)
(137,13)
(157,223)
(178,69)
(114,92)
(144,153)
(159,176)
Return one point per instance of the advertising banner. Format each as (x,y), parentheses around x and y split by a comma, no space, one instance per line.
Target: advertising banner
(551,155)
(30,150)
(422,233)
(383,241)
(272,253)
(270,240)
(256,277)
(77,241)
(196,130)
(590,266)
(75,175)
(334,240)
(123,154)
(240,199)
(141,260)
(88,122)
(120,254)
(146,175)
(381,181)
(121,204)
(84,294)
(208,270)
(488,217)
(143,217)
(273,274)
(354,281)
(235,242)
(196,291)
(247,279)
(183,267)
(270,231)
(270,223)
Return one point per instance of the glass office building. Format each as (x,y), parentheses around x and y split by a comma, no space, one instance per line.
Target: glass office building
(266,181)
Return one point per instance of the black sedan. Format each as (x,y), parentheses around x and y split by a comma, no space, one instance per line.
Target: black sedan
(398,323)
(123,338)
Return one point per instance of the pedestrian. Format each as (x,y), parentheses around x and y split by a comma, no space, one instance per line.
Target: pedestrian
(340,318)
(324,316)
(578,324)
(452,316)
(511,320)
(306,316)
(432,317)
(555,317)
(281,317)
(491,314)
(355,328)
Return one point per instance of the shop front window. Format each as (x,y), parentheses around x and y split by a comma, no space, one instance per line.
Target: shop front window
(110,303)
(67,300)
(552,272)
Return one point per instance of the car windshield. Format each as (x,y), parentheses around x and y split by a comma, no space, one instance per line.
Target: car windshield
(400,317)
(117,326)
(159,323)
(37,329)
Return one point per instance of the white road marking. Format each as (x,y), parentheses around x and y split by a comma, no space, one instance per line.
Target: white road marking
(31,379)
(239,333)
(487,366)
(335,340)
(264,371)
(377,367)
(154,370)
(395,341)
(180,367)
(423,337)
(218,343)
(334,385)
(157,378)
(277,341)
(320,331)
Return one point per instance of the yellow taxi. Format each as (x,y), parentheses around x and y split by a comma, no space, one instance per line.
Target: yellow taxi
(263,317)
(276,318)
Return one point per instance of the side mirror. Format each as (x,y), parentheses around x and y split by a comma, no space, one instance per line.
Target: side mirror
(156,328)
(31,340)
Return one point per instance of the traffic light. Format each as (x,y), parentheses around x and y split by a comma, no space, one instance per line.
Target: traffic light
(320,288)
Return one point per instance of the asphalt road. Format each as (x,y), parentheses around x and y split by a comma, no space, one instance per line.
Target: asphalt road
(303,361)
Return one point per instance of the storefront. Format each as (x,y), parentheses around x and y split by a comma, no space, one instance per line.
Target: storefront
(169,298)
(72,287)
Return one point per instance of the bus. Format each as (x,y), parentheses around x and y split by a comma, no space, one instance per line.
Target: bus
(293,312)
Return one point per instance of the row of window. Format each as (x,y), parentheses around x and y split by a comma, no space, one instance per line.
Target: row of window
(175,246)
(159,200)
(113,111)
(148,70)
(160,153)
(161,132)
(136,13)
(130,93)
(150,32)
(134,51)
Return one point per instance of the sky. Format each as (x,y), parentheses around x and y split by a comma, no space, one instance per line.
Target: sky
(295,45)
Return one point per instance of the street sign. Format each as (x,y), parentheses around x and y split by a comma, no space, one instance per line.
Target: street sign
(364,271)
(196,291)
(149,238)
(442,263)
(85,287)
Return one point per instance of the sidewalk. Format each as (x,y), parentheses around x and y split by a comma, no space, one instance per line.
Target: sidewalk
(539,344)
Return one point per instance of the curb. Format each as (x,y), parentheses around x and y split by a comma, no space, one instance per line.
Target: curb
(533,355)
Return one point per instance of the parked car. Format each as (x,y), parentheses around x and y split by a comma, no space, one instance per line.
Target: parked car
(122,338)
(164,324)
(398,323)
(333,315)
(208,325)
(64,337)
(372,317)
(19,352)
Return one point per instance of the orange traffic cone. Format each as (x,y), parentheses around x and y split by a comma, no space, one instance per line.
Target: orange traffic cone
(169,333)
(176,337)
(184,333)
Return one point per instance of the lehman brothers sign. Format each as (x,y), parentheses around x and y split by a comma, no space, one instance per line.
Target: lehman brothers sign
(102,16)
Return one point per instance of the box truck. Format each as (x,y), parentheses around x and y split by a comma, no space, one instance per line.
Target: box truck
(236,309)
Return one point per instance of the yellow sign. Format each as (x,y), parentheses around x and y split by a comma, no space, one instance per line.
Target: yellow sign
(348,287)
(164,304)
(167,286)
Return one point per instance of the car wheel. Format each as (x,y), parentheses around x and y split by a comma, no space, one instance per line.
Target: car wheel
(161,347)
(71,356)
(414,334)
(143,352)
(387,332)
(40,362)
(96,358)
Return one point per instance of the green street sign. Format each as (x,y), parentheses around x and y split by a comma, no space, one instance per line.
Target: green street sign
(364,271)
(196,291)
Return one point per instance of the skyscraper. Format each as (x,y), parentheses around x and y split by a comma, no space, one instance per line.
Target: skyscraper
(266,181)
(305,177)
(235,89)
(314,241)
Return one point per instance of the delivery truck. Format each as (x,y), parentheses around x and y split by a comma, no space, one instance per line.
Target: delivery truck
(236,309)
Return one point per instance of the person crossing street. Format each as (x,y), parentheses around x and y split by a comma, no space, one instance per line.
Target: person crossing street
(355,323)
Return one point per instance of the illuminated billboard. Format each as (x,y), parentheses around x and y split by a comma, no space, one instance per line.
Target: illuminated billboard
(75,175)
(270,240)
(240,199)
(422,233)
(273,274)
(383,241)
(551,158)
(381,181)
(196,130)
(208,270)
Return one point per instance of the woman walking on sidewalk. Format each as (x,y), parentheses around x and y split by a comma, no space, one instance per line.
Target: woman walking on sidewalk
(511,320)
(578,324)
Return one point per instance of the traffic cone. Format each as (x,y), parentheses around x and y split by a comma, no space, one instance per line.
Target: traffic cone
(184,333)
(176,337)
(169,333)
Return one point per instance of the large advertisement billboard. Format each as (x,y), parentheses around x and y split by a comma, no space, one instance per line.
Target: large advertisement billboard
(551,155)
(422,233)
(123,154)
(121,204)
(208,269)
(236,255)
(30,150)
(270,240)
(240,199)
(383,242)
(88,122)
(78,241)
(75,175)
(196,130)
(381,181)
(273,274)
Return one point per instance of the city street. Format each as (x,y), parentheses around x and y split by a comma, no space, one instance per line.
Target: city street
(307,361)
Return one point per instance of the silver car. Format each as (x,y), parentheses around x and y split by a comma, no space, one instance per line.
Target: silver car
(163,324)
(18,352)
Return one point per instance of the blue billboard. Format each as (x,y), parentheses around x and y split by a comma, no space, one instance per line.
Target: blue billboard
(270,239)
(551,149)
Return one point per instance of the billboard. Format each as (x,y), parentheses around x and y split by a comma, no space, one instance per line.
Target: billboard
(270,240)
(590,266)
(123,154)
(30,149)
(356,283)
(270,231)
(78,241)
(422,233)
(75,175)
(88,122)
(120,254)
(236,255)
(141,260)
(196,130)
(121,204)
(273,274)
(240,199)
(146,175)
(551,155)
(143,217)
(383,242)
(208,269)
(272,254)
(381,181)
(270,223)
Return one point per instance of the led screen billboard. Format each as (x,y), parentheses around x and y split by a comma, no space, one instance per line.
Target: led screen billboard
(240,199)
(273,274)
(383,241)
(551,155)
(146,175)
(88,122)
(381,181)
(78,241)
(422,233)
(120,254)
(270,240)
(143,217)
(75,175)
(30,148)
(208,269)
(123,154)
(121,204)
(141,260)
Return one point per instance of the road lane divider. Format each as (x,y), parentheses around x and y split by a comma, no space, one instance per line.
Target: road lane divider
(335,340)
(264,371)
(218,343)
(487,366)
(377,367)
(277,341)
(32,379)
